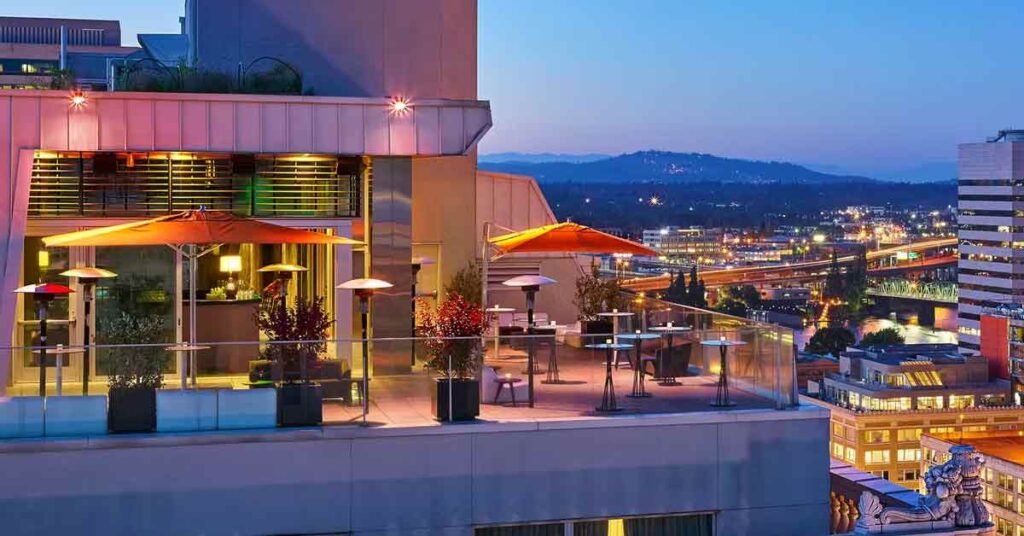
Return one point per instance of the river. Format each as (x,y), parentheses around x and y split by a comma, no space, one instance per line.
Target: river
(913,333)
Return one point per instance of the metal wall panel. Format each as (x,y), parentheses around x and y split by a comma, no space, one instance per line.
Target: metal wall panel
(391,252)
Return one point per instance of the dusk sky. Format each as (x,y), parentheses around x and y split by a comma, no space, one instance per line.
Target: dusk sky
(865,86)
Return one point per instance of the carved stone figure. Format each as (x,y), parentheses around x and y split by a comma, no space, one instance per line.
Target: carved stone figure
(953,499)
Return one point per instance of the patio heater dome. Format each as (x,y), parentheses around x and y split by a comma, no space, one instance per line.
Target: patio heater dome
(88,272)
(524,281)
(365,285)
(282,268)
(44,289)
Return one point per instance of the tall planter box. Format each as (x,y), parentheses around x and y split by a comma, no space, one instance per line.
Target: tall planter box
(465,400)
(300,404)
(186,411)
(245,409)
(75,416)
(132,410)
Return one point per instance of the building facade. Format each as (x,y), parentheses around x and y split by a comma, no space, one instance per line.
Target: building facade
(884,398)
(991,230)
(1003,475)
(39,53)
(686,244)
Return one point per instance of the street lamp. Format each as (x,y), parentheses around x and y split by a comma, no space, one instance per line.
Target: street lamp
(530,284)
(364,290)
(87,277)
(417,264)
(43,294)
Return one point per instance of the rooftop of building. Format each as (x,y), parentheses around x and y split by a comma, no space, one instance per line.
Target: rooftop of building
(901,354)
(1005,445)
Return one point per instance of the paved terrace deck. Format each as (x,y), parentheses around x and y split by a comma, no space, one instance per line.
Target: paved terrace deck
(405,400)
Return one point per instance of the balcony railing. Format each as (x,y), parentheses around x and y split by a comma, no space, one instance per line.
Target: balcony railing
(552,376)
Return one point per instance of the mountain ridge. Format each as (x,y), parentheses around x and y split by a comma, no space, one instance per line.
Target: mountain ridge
(666,166)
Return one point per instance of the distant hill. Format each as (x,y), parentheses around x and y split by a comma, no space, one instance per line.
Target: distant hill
(536,158)
(668,167)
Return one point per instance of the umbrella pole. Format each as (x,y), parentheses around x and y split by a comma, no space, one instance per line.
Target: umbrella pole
(192,264)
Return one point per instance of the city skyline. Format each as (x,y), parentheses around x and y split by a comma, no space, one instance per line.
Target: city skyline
(861,88)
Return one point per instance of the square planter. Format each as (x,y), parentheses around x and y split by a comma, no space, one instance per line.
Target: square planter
(132,410)
(186,411)
(465,404)
(21,416)
(240,409)
(300,404)
(75,415)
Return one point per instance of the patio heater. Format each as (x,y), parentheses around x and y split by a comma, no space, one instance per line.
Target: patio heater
(283,273)
(87,277)
(530,284)
(417,264)
(43,294)
(364,289)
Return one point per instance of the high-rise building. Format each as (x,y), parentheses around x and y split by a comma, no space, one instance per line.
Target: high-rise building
(991,233)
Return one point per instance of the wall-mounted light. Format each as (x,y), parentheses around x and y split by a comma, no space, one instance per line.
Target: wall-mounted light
(400,105)
(78,99)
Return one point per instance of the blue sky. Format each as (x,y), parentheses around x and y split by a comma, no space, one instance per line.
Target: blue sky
(864,85)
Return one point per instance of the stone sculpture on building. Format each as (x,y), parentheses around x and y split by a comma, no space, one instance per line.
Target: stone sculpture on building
(953,500)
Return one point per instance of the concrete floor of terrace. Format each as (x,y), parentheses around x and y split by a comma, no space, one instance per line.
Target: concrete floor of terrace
(402,401)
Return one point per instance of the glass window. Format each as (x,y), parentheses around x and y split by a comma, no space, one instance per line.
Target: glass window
(837,429)
(908,434)
(908,455)
(961,401)
(911,475)
(929,402)
(876,436)
(837,451)
(851,455)
(876,456)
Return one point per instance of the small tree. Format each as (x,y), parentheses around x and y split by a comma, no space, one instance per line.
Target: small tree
(883,337)
(834,282)
(453,337)
(590,295)
(131,366)
(468,283)
(832,340)
(308,321)
(693,293)
(676,292)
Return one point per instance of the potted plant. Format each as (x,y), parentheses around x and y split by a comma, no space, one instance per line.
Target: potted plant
(595,295)
(299,400)
(134,372)
(454,352)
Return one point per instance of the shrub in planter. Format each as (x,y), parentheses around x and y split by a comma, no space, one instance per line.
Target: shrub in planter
(454,352)
(299,401)
(134,373)
(595,295)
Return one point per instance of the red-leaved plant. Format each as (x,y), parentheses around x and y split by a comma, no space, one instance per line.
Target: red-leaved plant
(307,321)
(453,337)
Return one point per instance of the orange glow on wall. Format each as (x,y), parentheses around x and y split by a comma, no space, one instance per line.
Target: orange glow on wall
(995,345)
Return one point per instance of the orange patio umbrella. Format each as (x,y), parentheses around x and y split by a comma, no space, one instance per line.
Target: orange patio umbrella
(566,237)
(193,233)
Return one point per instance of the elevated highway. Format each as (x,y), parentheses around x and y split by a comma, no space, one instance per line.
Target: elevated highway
(809,271)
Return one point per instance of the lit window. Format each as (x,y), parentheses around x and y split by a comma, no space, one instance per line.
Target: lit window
(876,436)
(851,455)
(908,455)
(29,68)
(908,434)
(876,456)
(837,451)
